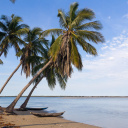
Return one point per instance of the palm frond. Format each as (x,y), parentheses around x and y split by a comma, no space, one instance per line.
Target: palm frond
(75,56)
(1,62)
(16,19)
(22,31)
(62,20)
(93,36)
(86,46)
(84,14)
(95,25)
(17,40)
(21,26)
(36,31)
(3,26)
(62,80)
(5,18)
(55,48)
(72,12)
(50,77)
(55,31)
(36,68)
(53,40)
(2,35)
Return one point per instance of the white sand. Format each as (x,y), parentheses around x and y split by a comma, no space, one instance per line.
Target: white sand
(25,120)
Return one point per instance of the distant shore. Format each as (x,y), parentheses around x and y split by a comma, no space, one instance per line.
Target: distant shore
(77,96)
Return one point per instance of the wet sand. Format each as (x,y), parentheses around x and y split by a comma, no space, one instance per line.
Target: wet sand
(25,120)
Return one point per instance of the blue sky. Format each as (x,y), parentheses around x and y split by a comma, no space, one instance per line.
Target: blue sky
(104,75)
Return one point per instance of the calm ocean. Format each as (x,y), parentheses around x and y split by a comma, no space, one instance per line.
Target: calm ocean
(104,112)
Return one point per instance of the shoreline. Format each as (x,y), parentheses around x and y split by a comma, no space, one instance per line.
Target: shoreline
(76,96)
(24,119)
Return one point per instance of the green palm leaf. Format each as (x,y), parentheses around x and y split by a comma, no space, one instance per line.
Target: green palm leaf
(55,48)
(10,33)
(1,62)
(62,18)
(3,26)
(52,32)
(75,56)
(84,14)
(91,35)
(86,46)
(95,25)
(72,12)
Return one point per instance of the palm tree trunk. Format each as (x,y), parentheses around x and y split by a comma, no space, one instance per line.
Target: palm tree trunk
(10,77)
(10,108)
(23,106)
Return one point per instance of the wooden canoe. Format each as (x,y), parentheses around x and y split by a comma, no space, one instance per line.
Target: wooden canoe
(36,108)
(47,114)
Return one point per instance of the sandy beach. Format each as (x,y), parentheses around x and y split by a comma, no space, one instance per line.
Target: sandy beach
(24,119)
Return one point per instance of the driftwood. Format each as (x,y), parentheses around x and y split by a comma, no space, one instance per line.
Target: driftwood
(47,114)
(36,108)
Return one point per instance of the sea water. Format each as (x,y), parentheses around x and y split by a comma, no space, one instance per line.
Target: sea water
(105,112)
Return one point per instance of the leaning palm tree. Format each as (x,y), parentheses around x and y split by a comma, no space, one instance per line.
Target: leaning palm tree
(50,73)
(10,32)
(64,51)
(29,53)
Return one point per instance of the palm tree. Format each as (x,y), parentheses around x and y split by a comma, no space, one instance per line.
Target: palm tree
(10,32)
(64,51)
(29,53)
(50,73)
(75,30)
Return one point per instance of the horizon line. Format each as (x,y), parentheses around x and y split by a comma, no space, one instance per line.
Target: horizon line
(66,96)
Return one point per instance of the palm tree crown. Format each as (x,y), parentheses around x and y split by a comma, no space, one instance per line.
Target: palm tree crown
(74,30)
(10,32)
(29,53)
(50,73)
(34,46)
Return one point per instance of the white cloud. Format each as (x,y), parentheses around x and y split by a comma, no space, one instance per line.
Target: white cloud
(125,16)
(112,62)
(108,71)
(124,32)
(105,47)
(111,58)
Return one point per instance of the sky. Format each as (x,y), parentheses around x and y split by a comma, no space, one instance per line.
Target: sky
(103,75)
